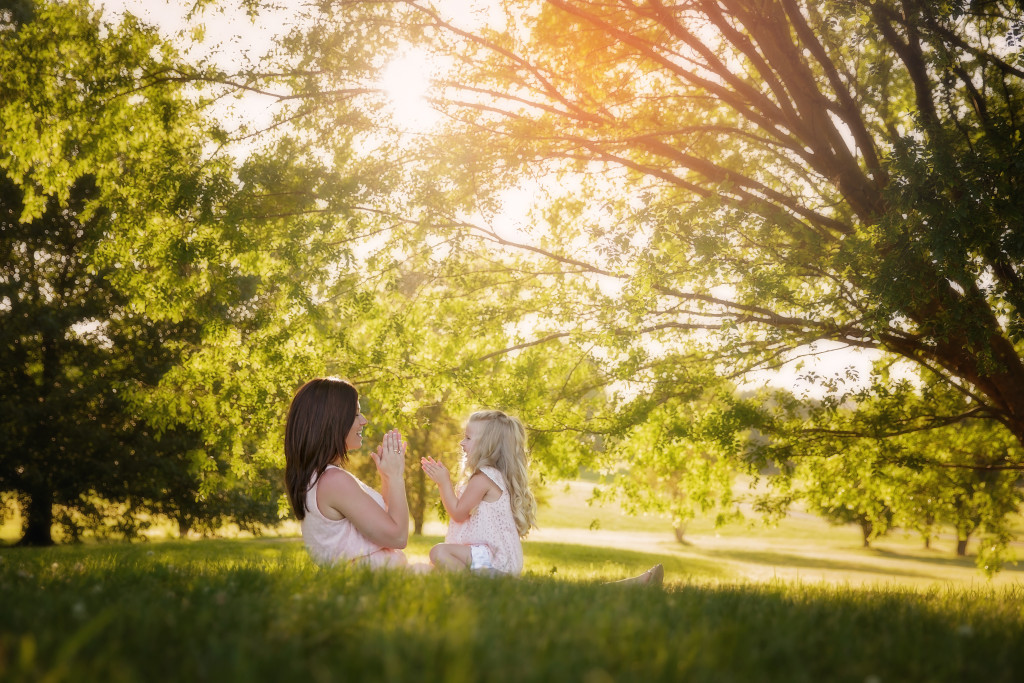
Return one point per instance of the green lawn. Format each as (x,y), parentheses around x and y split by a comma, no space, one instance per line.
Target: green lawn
(801,601)
(259,610)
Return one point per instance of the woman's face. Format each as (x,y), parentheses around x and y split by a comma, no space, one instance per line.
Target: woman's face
(469,442)
(355,435)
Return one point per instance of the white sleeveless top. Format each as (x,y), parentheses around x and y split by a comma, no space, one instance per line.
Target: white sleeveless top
(330,541)
(493,525)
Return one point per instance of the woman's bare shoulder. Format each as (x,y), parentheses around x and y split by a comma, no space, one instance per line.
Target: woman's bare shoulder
(335,478)
(336,488)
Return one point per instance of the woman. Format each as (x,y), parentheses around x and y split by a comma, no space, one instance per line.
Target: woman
(342,518)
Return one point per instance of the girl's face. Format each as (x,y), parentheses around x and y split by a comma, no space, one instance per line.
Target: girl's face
(355,435)
(472,436)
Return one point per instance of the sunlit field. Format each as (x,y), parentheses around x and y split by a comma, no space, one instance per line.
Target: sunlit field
(801,548)
(800,602)
(258,610)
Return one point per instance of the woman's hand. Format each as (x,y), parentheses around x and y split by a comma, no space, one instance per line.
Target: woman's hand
(436,471)
(390,456)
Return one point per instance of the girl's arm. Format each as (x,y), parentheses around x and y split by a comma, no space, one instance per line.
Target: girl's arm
(341,492)
(458,508)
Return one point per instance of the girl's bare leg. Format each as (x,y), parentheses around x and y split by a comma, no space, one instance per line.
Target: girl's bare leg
(451,556)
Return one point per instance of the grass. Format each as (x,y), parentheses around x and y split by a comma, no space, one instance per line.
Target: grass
(798,602)
(259,610)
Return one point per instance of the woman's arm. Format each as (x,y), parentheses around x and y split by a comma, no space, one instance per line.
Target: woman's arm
(339,490)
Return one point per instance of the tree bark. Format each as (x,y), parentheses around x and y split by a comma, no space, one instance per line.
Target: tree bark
(184,526)
(865,530)
(419,507)
(38,529)
(961,547)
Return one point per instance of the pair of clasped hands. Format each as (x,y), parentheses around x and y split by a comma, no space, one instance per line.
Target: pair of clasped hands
(390,459)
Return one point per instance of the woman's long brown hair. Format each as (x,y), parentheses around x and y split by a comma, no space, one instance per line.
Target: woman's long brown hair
(319,420)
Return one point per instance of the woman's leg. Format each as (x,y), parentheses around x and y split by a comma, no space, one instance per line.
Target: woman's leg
(385,557)
(654,576)
(451,556)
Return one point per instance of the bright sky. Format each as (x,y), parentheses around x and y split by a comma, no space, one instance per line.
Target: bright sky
(230,36)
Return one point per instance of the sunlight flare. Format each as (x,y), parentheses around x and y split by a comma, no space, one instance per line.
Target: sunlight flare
(406,82)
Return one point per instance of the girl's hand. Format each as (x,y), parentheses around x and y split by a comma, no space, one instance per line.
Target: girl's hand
(390,455)
(436,471)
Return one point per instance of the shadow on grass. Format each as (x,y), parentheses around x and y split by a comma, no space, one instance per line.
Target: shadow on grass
(586,562)
(944,560)
(785,560)
(612,563)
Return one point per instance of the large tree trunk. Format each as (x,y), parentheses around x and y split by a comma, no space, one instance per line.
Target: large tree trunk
(37,484)
(184,526)
(961,547)
(38,529)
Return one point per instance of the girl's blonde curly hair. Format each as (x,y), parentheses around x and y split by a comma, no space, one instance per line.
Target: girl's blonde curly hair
(502,444)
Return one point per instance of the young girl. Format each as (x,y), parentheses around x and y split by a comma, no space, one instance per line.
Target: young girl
(494,507)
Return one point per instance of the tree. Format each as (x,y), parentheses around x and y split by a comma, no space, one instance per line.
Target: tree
(432,343)
(436,433)
(717,185)
(777,173)
(957,476)
(964,475)
(158,297)
(682,459)
(851,487)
